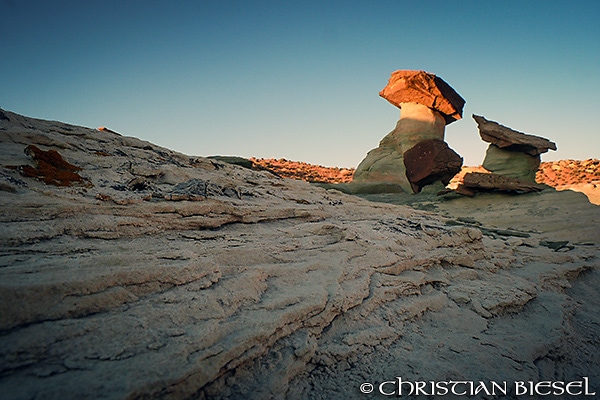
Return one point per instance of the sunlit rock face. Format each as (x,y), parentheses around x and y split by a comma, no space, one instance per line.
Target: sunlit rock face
(427,104)
(407,86)
(418,121)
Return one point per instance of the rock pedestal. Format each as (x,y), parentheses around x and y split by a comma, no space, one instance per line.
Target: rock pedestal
(513,164)
(385,164)
(427,105)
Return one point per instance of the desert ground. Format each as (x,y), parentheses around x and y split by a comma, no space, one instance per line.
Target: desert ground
(130,271)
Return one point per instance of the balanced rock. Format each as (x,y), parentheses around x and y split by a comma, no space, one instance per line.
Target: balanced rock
(429,161)
(427,105)
(511,153)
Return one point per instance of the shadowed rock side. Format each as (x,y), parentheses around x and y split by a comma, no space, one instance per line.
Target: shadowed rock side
(430,161)
(511,164)
(385,164)
(166,276)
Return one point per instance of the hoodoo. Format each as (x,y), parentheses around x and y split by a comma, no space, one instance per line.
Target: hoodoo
(427,105)
(511,153)
(512,157)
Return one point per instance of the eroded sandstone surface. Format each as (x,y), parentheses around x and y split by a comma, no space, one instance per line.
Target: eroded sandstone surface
(161,275)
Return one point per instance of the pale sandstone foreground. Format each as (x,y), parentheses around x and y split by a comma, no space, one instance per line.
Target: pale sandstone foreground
(162,275)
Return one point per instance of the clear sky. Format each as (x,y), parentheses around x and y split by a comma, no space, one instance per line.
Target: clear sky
(300,79)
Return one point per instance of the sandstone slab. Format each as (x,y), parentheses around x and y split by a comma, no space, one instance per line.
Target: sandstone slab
(510,139)
(476,181)
(408,86)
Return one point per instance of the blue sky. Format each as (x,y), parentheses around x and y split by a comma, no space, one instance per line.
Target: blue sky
(300,79)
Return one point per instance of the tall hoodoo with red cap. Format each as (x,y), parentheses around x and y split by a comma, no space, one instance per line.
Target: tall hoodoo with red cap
(427,104)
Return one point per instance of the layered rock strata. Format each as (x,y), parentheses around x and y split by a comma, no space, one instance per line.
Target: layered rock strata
(427,105)
(166,276)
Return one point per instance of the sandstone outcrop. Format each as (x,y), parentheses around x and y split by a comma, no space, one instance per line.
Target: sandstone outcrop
(427,105)
(511,153)
(168,276)
(303,171)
